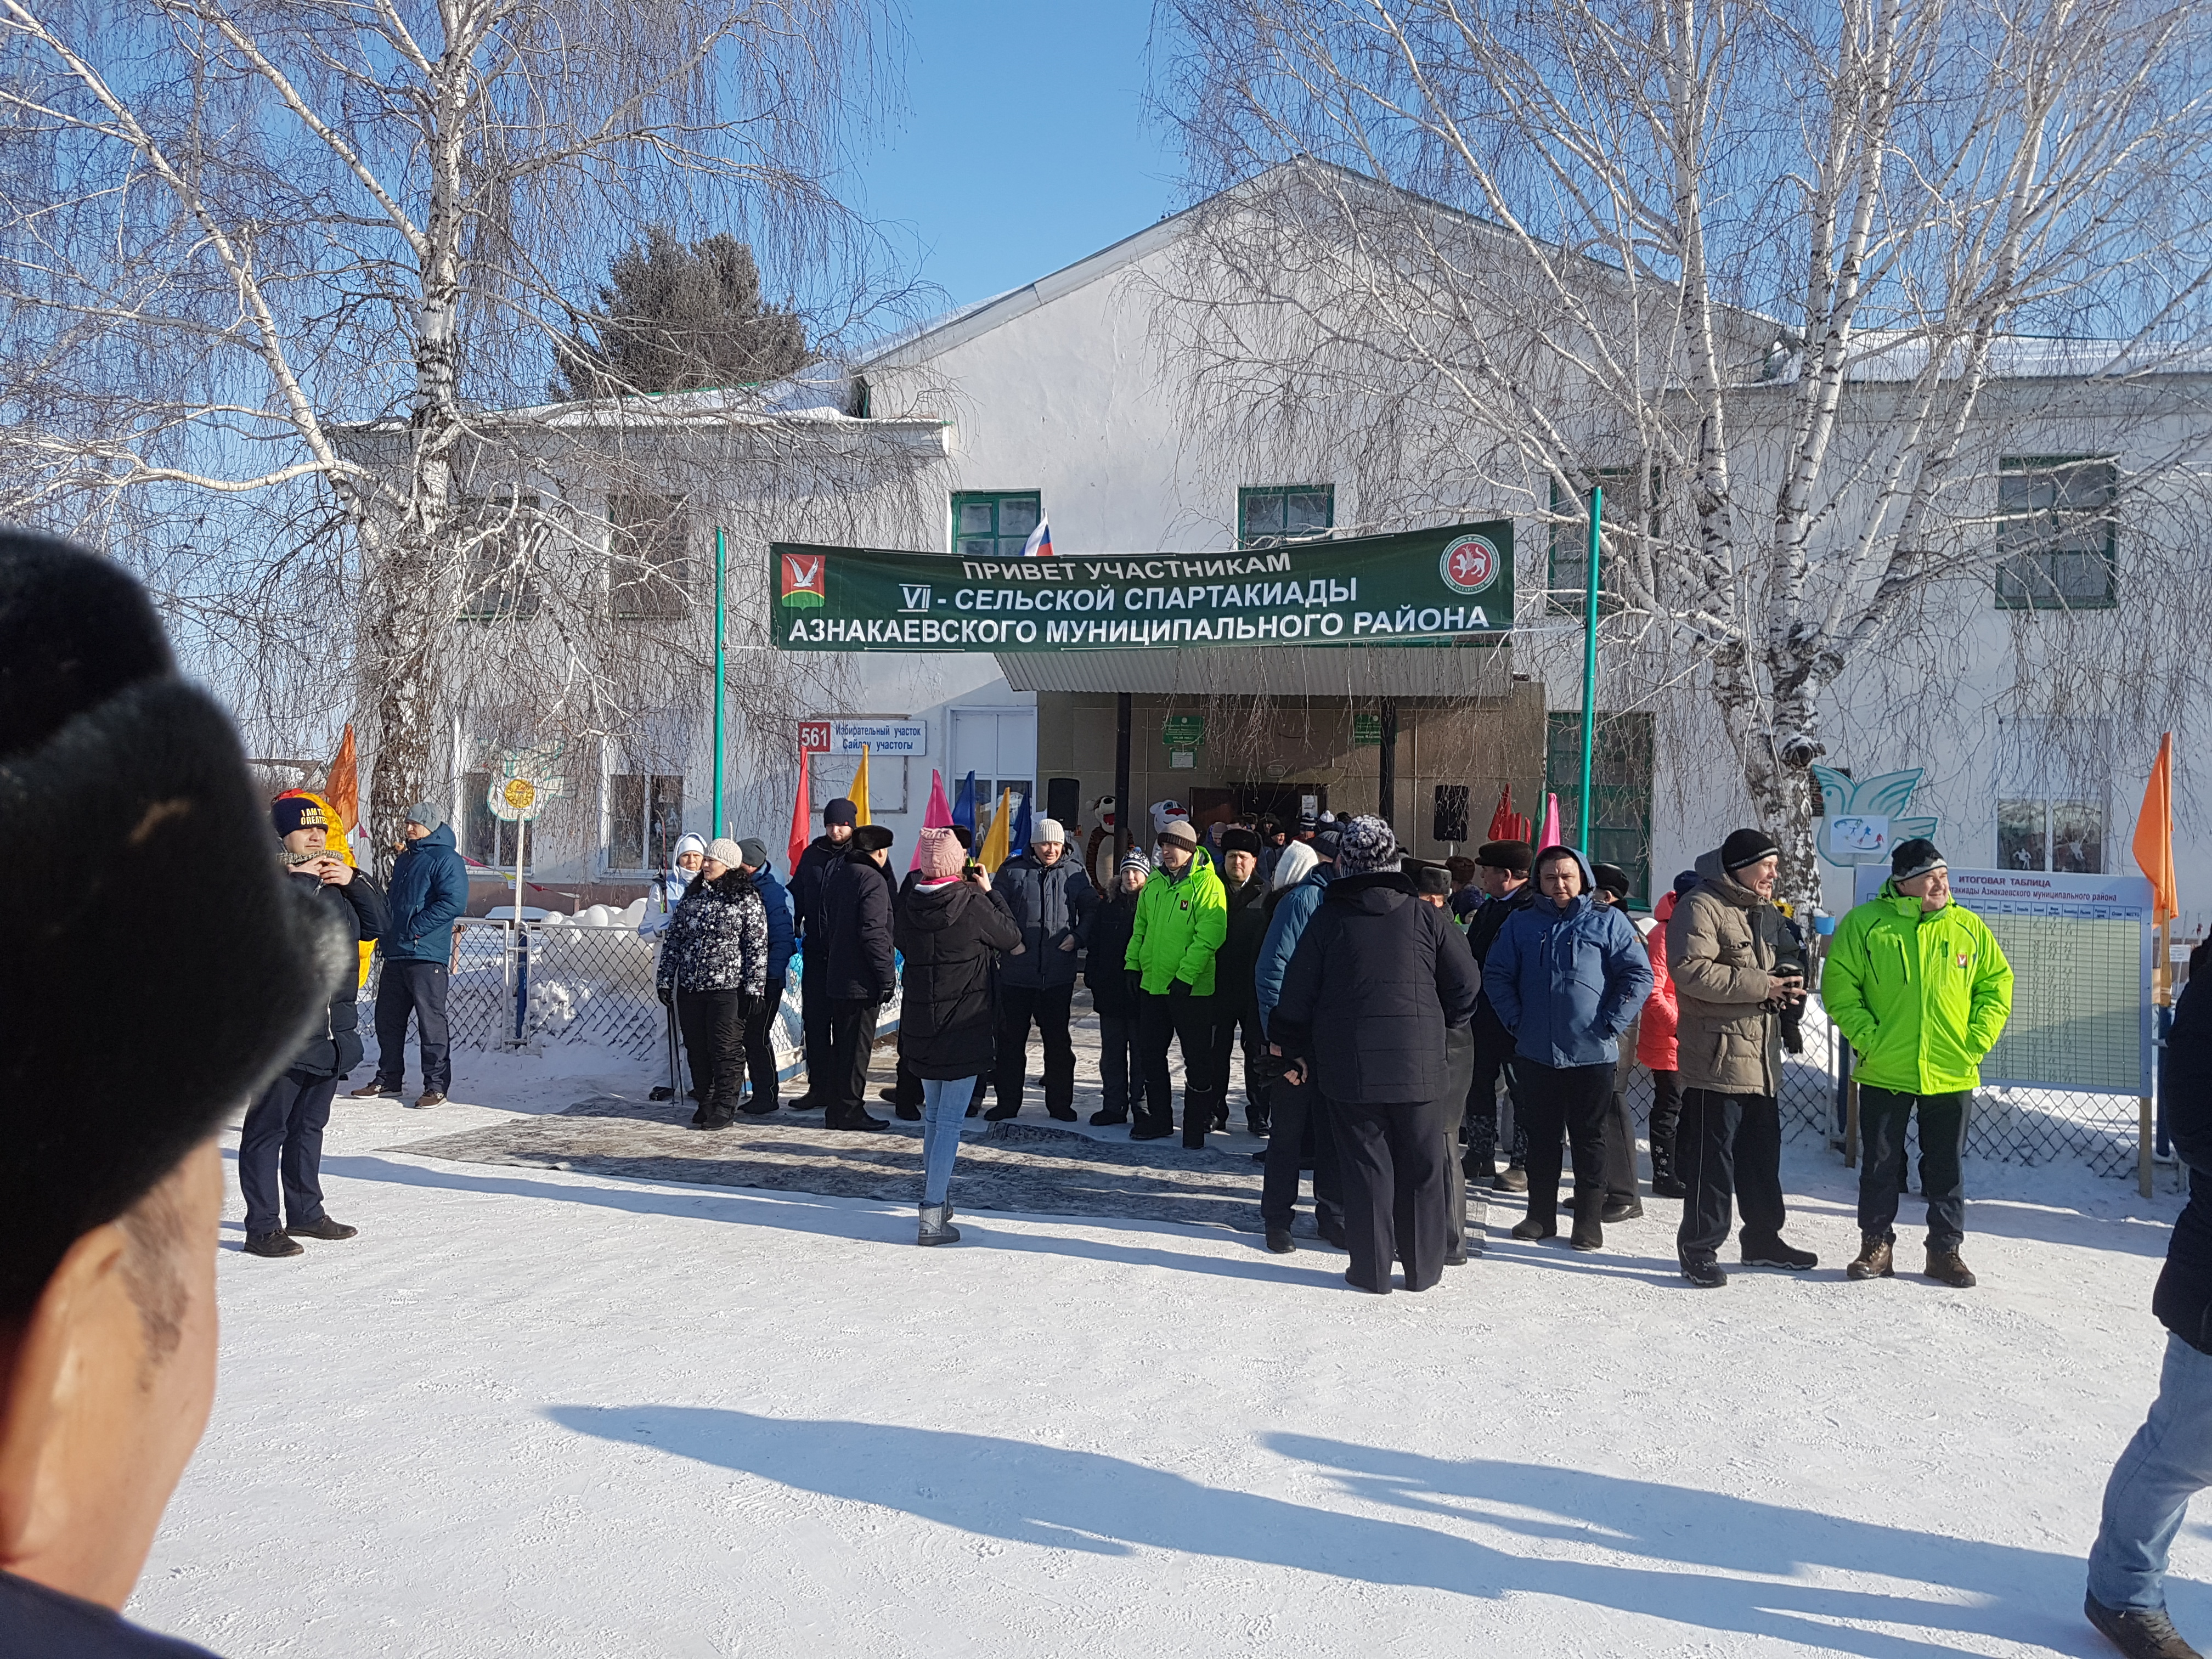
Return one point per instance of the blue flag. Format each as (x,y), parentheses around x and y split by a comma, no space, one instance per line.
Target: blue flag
(964,809)
(1019,842)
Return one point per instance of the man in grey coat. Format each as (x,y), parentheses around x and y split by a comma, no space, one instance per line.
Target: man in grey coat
(1050,899)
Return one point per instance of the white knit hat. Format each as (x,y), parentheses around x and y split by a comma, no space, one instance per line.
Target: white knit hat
(1048,829)
(725,851)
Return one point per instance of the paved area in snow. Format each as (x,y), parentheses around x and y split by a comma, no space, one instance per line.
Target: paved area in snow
(538,1412)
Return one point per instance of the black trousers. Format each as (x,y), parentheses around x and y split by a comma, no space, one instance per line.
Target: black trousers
(1666,1119)
(1301,1130)
(713,1025)
(1619,1143)
(1231,1021)
(1571,1099)
(760,1048)
(1493,1058)
(417,989)
(814,1016)
(1045,1005)
(1728,1149)
(852,1043)
(1883,1117)
(280,1148)
(1121,1064)
(1394,1190)
(1188,1020)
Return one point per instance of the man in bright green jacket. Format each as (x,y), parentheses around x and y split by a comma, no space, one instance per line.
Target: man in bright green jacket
(1182,916)
(1921,990)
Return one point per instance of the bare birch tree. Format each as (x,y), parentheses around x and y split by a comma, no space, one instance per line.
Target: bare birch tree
(270,269)
(1754,266)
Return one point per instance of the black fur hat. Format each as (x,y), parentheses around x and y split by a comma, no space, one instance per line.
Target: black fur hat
(156,972)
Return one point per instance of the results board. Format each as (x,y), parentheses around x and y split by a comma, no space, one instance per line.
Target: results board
(2081,949)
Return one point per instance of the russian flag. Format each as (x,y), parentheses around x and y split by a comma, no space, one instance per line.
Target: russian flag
(1039,545)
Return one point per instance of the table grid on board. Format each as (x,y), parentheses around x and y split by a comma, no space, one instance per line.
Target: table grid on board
(2077,994)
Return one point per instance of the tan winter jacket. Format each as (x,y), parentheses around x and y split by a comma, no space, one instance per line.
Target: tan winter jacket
(1724,947)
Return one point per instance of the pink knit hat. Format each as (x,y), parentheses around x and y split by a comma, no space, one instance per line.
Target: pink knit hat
(940,856)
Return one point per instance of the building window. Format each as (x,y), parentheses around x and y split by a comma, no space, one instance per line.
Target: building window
(1285,512)
(2067,836)
(1629,512)
(990,524)
(499,570)
(2057,541)
(1620,787)
(648,567)
(644,820)
(862,400)
(489,839)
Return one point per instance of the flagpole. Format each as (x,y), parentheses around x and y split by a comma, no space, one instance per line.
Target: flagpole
(1589,668)
(721,556)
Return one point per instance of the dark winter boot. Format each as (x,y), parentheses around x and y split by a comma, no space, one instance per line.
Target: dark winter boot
(1529,1229)
(325,1228)
(937,1226)
(1001,1112)
(1478,1222)
(1100,1119)
(660,1091)
(272,1245)
(908,1114)
(1877,1259)
(1945,1268)
(1510,1181)
(1665,1184)
(1061,1114)
(1704,1272)
(1589,1234)
(1622,1209)
(1280,1241)
(1773,1253)
(2139,1635)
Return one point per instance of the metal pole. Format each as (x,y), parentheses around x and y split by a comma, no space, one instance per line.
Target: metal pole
(1589,666)
(1387,766)
(721,557)
(1121,806)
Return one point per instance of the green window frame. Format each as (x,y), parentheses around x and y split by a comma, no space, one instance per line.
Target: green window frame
(993,524)
(1566,582)
(2057,538)
(1620,784)
(1269,514)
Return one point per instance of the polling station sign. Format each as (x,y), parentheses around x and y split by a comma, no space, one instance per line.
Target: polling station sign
(1427,587)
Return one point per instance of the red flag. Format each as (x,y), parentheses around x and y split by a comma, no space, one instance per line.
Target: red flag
(342,786)
(1503,820)
(2154,847)
(1551,823)
(938,815)
(802,817)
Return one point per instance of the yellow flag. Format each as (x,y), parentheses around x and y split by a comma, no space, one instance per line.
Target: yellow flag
(860,788)
(1002,829)
(2154,847)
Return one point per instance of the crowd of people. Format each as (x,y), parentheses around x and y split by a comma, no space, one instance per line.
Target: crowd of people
(1381,996)
(1382,1006)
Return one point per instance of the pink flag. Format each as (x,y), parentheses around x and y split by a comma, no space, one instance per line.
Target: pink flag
(1551,835)
(938,815)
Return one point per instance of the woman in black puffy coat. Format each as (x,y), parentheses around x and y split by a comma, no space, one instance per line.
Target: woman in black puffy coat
(714,971)
(948,926)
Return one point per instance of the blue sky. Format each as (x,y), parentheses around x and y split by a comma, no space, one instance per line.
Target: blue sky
(1024,145)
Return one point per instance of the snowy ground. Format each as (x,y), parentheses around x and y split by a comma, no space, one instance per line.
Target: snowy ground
(538,1413)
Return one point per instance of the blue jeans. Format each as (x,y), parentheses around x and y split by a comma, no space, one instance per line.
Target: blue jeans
(2168,1461)
(944,1104)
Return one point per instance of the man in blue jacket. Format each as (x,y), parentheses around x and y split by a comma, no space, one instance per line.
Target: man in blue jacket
(429,892)
(760,1029)
(1299,1127)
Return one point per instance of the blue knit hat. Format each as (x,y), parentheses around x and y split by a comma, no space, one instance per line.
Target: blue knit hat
(1365,845)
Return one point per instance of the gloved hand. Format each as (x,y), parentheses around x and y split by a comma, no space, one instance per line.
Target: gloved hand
(666,993)
(1182,987)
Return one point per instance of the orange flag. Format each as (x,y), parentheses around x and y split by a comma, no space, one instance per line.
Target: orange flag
(2154,846)
(343,787)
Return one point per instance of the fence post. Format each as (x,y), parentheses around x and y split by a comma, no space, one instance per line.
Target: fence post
(2142,1144)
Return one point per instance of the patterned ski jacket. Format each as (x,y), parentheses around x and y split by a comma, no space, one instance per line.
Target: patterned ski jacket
(717,940)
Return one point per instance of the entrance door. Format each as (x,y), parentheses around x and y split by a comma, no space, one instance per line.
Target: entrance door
(1282,802)
(998,743)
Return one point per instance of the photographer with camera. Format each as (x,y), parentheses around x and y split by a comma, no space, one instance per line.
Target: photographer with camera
(1736,966)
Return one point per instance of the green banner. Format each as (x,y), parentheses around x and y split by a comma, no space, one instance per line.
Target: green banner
(1421,587)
